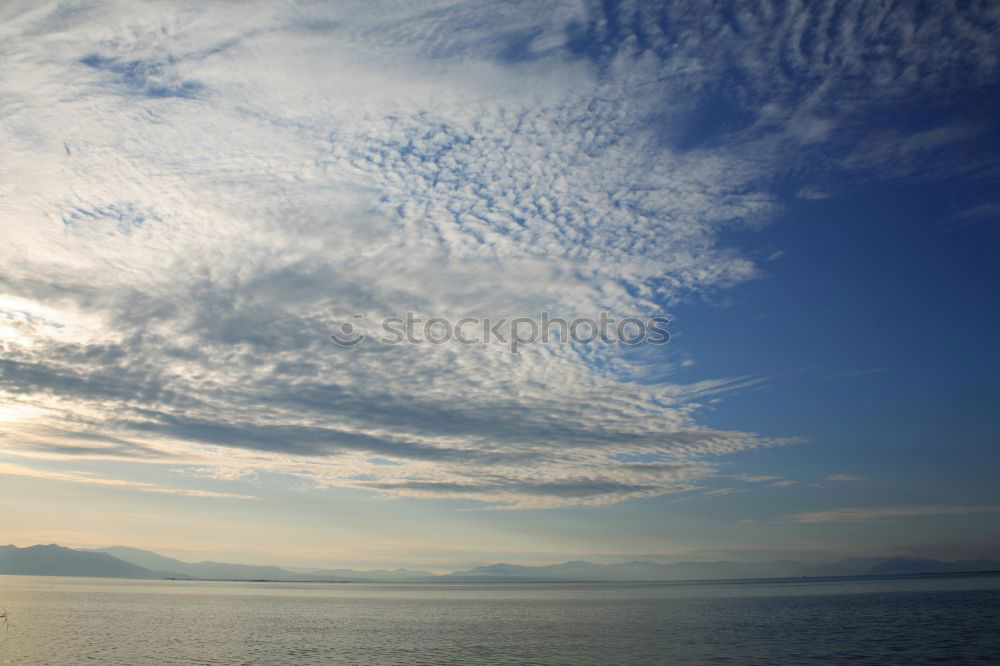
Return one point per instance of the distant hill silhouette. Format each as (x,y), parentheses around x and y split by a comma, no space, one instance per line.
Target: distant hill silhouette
(53,560)
(228,571)
(866,566)
(125,562)
(915,565)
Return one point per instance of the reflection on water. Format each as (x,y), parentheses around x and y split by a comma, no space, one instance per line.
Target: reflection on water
(952,620)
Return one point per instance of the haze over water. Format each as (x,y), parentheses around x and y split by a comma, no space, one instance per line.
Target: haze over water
(911,620)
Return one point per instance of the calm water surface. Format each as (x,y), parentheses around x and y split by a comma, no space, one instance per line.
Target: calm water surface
(869,621)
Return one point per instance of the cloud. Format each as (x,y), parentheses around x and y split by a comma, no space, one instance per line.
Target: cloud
(721,492)
(193,200)
(886,513)
(78,477)
(983,212)
(844,477)
(754,478)
(812,194)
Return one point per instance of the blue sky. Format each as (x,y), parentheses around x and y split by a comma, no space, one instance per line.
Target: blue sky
(194,200)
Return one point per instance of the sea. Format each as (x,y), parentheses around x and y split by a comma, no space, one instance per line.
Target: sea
(953,619)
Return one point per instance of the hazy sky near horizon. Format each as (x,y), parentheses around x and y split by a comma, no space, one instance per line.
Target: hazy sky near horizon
(194,196)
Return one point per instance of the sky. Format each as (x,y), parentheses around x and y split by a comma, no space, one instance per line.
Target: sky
(195,196)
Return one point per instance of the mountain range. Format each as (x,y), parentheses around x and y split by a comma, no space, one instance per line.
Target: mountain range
(124,562)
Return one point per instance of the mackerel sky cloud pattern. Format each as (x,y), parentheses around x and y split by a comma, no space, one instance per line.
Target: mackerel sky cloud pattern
(193,196)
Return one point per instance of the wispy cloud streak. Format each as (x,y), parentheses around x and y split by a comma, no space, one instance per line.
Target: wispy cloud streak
(887,513)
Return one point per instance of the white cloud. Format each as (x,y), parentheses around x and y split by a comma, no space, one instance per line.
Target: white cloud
(844,477)
(722,492)
(78,477)
(754,478)
(192,199)
(886,513)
